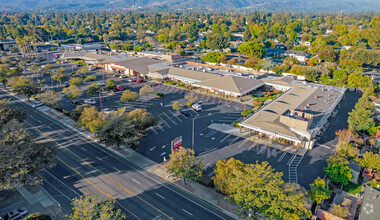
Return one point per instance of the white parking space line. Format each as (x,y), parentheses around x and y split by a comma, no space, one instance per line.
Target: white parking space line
(116,169)
(159,196)
(83,148)
(242,143)
(135,181)
(98,158)
(160,127)
(163,153)
(176,116)
(167,124)
(187,212)
(169,118)
(153,129)
(282,156)
(225,138)
(261,149)
(234,140)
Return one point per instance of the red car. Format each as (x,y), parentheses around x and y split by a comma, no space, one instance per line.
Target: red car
(140,80)
(120,88)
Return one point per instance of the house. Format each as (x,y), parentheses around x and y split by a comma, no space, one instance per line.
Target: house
(355,171)
(299,55)
(7,45)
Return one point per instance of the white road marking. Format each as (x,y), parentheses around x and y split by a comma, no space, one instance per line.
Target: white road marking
(225,138)
(176,116)
(136,181)
(169,118)
(58,190)
(160,196)
(152,148)
(98,158)
(116,169)
(325,146)
(62,183)
(167,124)
(83,148)
(163,153)
(282,156)
(164,146)
(242,143)
(187,212)
(234,140)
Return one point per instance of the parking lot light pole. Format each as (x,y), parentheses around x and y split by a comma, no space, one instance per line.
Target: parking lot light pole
(192,142)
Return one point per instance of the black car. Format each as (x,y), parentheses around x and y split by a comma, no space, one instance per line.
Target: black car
(185,113)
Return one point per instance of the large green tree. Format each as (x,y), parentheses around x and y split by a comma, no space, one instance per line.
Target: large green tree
(22,158)
(7,113)
(370,160)
(142,119)
(319,191)
(51,98)
(184,164)
(89,207)
(23,86)
(129,96)
(338,170)
(251,49)
(73,92)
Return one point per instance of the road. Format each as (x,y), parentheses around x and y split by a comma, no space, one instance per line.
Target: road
(84,166)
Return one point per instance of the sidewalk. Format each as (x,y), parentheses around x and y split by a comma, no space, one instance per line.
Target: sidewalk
(207,194)
(228,129)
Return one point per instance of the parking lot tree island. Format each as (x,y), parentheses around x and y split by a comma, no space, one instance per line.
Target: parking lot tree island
(23,86)
(184,164)
(93,90)
(73,92)
(110,85)
(51,98)
(129,96)
(177,105)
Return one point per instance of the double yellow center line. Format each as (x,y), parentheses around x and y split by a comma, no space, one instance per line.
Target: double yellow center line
(88,164)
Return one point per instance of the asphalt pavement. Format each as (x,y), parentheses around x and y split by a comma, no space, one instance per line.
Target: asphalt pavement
(85,166)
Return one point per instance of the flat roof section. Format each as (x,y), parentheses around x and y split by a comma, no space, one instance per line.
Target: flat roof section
(138,64)
(190,75)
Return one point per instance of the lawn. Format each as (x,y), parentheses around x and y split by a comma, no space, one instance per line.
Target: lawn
(353,188)
(374,185)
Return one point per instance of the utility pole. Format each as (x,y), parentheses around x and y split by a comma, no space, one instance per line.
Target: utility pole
(100,99)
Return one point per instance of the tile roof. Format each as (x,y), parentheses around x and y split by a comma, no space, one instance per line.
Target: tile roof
(138,64)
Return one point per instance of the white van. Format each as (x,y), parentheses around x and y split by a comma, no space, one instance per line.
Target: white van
(197,107)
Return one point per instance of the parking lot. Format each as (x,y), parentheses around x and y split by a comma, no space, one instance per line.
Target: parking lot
(209,144)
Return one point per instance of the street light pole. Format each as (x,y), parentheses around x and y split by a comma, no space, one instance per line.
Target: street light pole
(192,142)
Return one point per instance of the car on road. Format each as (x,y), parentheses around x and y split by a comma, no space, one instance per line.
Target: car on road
(101,84)
(122,76)
(139,80)
(132,80)
(90,101)
(185,113)
(16,214)
(197,107)
(37,104)
(92,68)
(108,111)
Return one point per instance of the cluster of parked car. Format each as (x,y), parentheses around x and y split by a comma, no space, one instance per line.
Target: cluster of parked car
(15,214)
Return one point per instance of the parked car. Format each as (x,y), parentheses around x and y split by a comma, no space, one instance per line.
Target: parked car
(101,84)
(197,107)
(92,68)
(15,214)
(90,101)
(140,80)
(67,84)
(132,80)
(185,113)
(116,75)
(107,110)
(120,88)
(37,104)
(122,76)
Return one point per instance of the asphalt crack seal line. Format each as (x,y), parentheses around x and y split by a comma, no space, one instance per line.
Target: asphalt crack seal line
(88,164)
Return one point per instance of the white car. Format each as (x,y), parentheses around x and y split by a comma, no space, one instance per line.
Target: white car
(92,68)
(37,104)
(16,214)
(101,84)
(197,107)
(108,111)
(90,101)
(122,76)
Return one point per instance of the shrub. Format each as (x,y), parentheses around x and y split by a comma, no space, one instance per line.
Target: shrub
(189,104)
(90,78)
(236,124)
(246,112)
(263,98)
(257,102)
(160,94)
(181,85)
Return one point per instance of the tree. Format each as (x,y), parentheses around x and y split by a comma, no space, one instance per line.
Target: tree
(192,33)
(129,96)
(361,117)
(247,34)
(226,171)
(368,57)
(93,89)
(257,189)
(91,207)
(73,92)
(22,158)
(217,41)
(142,119)
(77,112)
(184,164)
(252,49)
(23,86)
(51,98)
(177,105)
(83,71)
(7,113)
(76,81)
(110,85)
(369,160)
(58,76)
(146,90)
(47,66)
(118,131)
(340,211)
(311,75)
(92,119)
(90,78)
(319,191)
(337,169)
(212,57)
(340,77)
(191,98)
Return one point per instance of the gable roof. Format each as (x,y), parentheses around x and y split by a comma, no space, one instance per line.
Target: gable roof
(138,64)
(234,84)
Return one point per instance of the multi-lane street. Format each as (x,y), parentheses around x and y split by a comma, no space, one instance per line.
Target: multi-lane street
(85,166)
